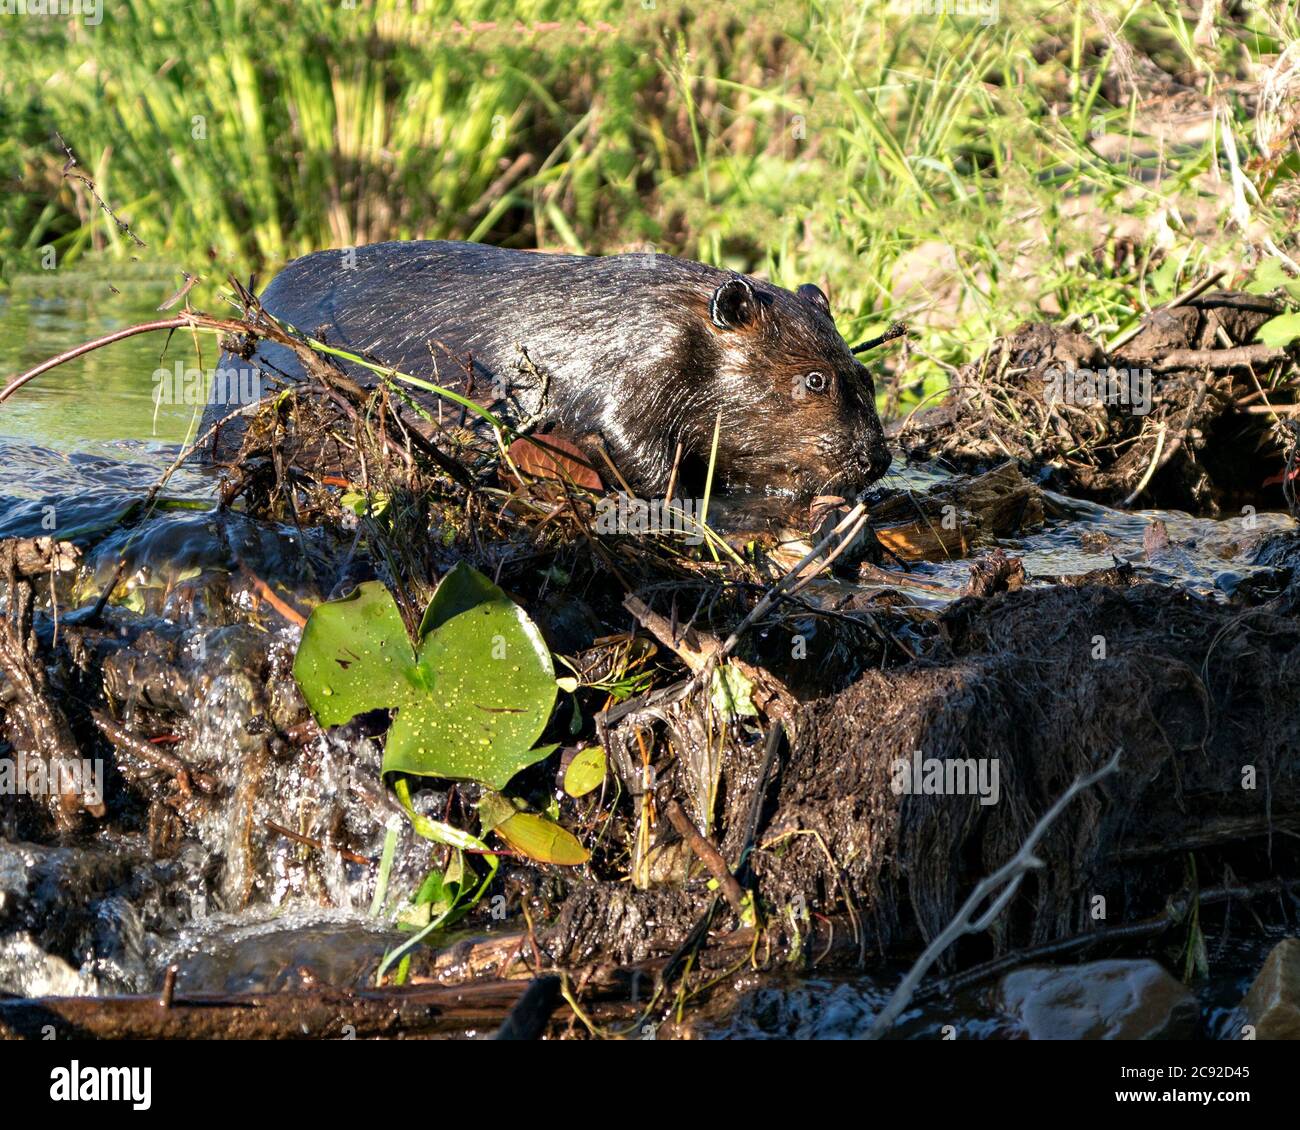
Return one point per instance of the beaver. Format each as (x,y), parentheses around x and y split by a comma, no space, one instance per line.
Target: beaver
(636,352)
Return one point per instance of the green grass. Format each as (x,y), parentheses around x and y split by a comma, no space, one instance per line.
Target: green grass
(928,168)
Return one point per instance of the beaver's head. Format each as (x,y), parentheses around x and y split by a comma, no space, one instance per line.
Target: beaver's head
(799,413)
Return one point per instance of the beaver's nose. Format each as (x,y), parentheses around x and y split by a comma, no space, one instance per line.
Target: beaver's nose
(873,461)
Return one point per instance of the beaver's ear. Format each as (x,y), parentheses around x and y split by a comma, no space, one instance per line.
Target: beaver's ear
(734,304)
(817,297)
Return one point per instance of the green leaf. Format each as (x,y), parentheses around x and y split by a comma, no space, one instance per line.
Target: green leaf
(439,912)
(440,893)
(362,504)
(732,692)
(1279,332)
(461,589)
(470,703)
(1269,276)
(1164,278)
(491,691)
(585,772)
(354,656)
(529,833)
(431,829)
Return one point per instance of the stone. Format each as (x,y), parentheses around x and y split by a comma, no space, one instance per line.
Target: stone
(1100,1000)
(1272,1004)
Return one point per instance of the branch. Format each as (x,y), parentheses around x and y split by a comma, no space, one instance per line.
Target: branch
(1004,882)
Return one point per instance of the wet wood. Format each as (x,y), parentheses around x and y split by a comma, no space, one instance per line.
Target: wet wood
(951,520)
(695,648)
(707,853)
(318,1014)
(831,940)
(34,557)
(475,988)
(34,723)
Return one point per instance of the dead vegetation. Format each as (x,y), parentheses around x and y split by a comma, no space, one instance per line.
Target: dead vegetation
(1186,412)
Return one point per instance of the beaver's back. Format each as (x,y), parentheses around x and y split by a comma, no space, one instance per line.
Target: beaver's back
(431,308)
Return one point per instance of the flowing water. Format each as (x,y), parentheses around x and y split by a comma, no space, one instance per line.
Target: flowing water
(81,445)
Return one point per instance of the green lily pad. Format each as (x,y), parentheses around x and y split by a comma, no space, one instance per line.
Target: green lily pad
(462,589)
(471,699)
(585,772)
(354,655)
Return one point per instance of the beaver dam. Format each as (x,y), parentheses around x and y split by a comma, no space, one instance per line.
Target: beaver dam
(416,732)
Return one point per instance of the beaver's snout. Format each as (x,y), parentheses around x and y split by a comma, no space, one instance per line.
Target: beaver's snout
(868,462)
(877,463)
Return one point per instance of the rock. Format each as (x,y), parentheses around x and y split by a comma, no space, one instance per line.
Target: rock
(54,892)
(1272,1005)
(1101,1000)
(28,971)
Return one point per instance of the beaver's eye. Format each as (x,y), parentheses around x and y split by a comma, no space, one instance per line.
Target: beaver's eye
(816,382)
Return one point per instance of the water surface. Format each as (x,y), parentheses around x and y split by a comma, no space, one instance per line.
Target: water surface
(82,436)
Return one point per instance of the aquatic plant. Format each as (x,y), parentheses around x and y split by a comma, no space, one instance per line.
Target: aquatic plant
(471,697)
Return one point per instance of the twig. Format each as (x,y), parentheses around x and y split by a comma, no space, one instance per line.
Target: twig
(1238,357)
(1270,409)
(1173,913)
(319,845)
(1151,468)
(175,323)
(896,329)
(68,168)
(283,607)
(191,281)
(1193,291)
(120,737)
(849,522)
(1004,882)
(691,646)
(708,855)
